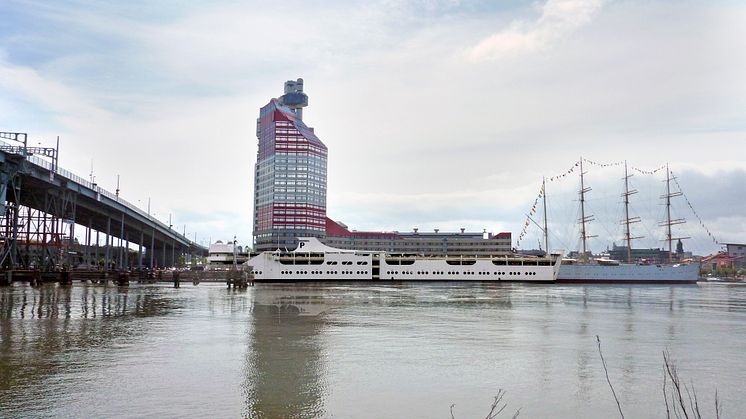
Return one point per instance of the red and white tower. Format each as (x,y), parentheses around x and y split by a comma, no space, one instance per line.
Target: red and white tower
(289,175)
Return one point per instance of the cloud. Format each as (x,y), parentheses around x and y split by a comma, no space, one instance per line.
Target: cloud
(558,19)
(417,135)
(48,94)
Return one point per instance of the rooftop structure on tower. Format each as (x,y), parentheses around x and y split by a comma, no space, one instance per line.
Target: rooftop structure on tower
(294,98)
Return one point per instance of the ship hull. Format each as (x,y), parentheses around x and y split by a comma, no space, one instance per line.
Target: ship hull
(629,274)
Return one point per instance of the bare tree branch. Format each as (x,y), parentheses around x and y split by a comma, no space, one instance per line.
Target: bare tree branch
(674,376)
(665,397)
(618,405)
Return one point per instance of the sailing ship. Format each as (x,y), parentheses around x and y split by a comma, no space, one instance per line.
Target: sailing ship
(587,269)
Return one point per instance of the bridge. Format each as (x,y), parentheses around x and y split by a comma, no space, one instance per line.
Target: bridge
(43,207)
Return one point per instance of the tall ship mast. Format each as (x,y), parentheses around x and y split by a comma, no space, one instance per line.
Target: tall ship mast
(669,223)
(546,221)
(583,218)
(627,219)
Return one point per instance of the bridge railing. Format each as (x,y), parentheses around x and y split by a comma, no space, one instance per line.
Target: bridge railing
(75,178)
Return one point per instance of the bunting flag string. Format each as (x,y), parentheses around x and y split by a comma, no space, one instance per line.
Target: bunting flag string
(621,163)
(648,172)
(691,207)
(565,174)
(528,217)
(599,164)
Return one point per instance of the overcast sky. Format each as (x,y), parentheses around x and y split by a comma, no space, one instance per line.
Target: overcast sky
(437,114)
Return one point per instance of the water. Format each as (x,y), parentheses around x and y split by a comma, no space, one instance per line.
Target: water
(364,351)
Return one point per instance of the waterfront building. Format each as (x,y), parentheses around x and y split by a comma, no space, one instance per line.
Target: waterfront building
(737,251)
(434,243)
(721,260)
(290,174)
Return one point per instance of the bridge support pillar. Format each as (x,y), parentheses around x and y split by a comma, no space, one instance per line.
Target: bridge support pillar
(151,249)
(127,261)
(96,251)
(121,240)
(139,250)
(9,181)
(88,234)
(107,253)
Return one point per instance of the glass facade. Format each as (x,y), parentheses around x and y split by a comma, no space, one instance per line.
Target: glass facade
(290,179)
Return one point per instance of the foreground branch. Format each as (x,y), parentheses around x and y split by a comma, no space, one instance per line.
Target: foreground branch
(618,405)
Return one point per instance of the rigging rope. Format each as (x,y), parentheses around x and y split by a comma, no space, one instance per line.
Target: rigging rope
(701,223)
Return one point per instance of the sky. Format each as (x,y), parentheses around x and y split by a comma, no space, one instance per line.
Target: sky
(437,113)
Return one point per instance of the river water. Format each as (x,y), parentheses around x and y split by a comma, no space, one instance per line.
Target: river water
(365,350)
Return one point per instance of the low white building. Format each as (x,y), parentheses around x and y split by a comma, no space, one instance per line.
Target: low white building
(221,255)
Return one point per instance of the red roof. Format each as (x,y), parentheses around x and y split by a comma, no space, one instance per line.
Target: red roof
(335,229)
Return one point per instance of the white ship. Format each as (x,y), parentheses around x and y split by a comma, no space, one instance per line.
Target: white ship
(587,270)
(315,261)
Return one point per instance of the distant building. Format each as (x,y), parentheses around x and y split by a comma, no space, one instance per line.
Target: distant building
(651,255)
(290,174)
(434,243)
(737,251)
(721,260)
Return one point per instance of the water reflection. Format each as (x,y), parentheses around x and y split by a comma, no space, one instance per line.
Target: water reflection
(52,301)
(284,367)
(48,331)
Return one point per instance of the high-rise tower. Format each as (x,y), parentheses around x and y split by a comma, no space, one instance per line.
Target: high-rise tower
(290,174)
